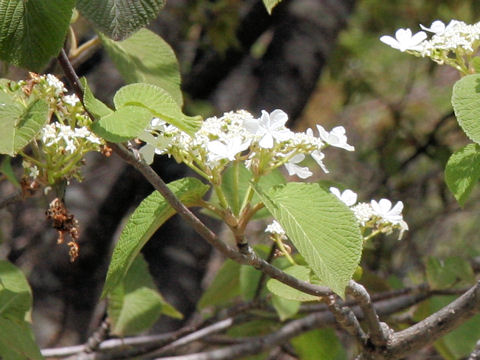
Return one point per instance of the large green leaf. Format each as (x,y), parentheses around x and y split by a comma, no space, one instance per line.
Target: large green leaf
(17,341)
(16,336)
(15,293)
(287,292)
(320,344)
(146,58)
(94,106)
(270,4)
(134,305)
(123,124)
(19,125)
(442,274)
(118,19)
(33,31)
(224,287)
(285,308)
(463,171)
(322,228)
(159,102)
(466,104)
(152,212)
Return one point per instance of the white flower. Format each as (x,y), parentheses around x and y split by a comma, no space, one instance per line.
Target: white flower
(70,146)
(294,169)
(219,150)
(275,228)
(56,84)
(363,212)
(348,197)
(71,99)
(318,156)
(437,27)
(404,40)
(336,137)
(94,139)
(269,127)
(384,210)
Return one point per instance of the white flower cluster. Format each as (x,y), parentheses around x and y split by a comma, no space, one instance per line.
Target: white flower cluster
(448,44)
(375,215)
(263,143)
(57,85)
(276,229)
(68,139)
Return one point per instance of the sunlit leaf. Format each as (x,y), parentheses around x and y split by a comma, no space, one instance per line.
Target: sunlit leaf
(152,212)
(119,18)
(322,228)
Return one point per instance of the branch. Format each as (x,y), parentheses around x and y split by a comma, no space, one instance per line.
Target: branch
(475,355)
(295,328)
(378,331)
(200,334)
(346,319)
(435,326)
(247,257)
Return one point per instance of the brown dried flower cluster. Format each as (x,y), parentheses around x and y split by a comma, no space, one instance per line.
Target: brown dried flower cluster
(64,223)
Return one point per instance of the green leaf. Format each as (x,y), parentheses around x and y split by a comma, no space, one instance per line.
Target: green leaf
(15,293)
(19,125)
(442,274)
(123,124)
(322,228)
(224,287)
(135,304)
(159,102)
(235,183)
(7,170)
(320,344)
(270,4)
(466,104)
(463,171)
(17,341)
(152,212)
(94,106)
(285,308)
(287,292)
(250,277)
(33,31)
(146,58)
(118,19)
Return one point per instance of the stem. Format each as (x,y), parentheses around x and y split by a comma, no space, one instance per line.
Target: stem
(221,196)
(31,159)
(77,51)
(236,174)
(282,248)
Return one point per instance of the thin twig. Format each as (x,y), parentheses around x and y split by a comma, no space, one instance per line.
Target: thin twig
(263,277)
(378,331)
(347,319)
(200,334)
(139,343)
(475,355)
